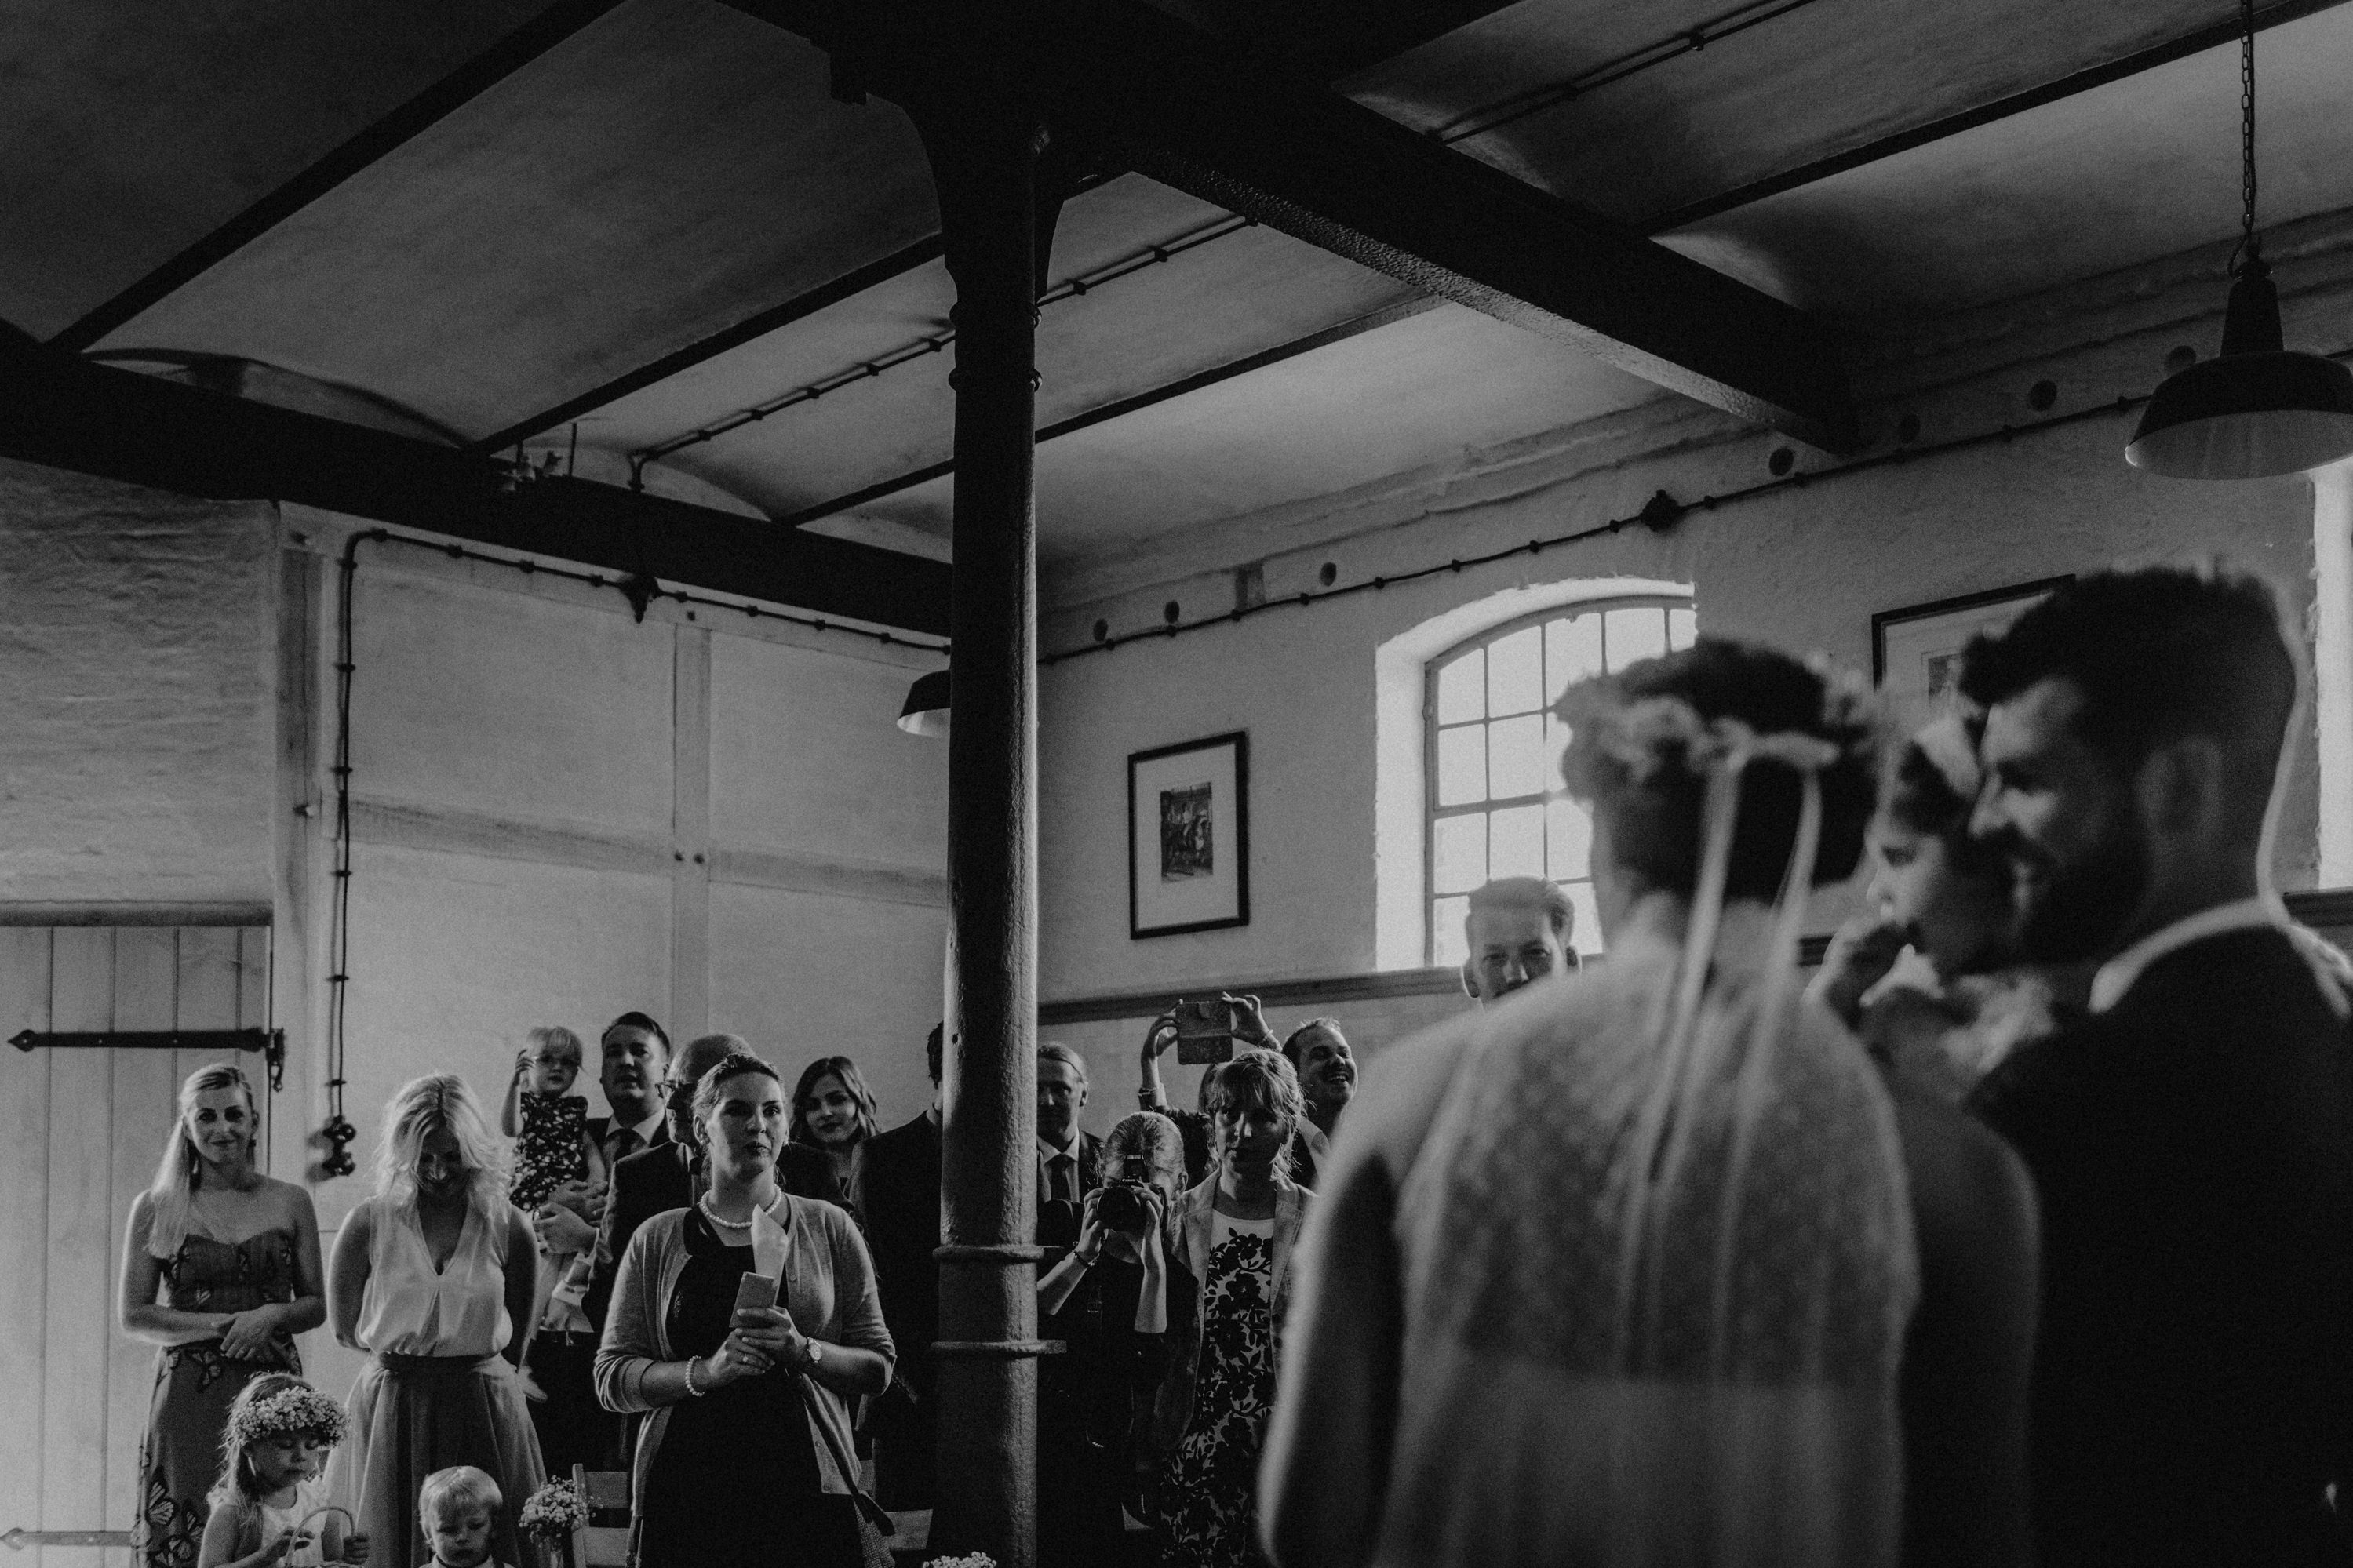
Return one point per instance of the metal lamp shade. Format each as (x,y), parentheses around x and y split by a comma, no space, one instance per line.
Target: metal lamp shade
(926,712)
(2247,416)
(2255,410)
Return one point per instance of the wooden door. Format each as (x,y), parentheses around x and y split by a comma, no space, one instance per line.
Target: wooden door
(81,1133)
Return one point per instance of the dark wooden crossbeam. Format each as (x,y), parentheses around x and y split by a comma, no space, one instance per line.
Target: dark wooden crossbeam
(59,410)
(1262,140)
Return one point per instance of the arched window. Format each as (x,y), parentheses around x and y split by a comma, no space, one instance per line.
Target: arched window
(1491,756)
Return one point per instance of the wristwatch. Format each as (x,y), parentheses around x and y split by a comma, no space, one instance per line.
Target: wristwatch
(816,1356)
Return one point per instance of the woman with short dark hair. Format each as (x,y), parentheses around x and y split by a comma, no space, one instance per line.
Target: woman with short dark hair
(746,1454)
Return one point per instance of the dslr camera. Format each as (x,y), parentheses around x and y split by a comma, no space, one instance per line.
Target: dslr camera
(1125,1207)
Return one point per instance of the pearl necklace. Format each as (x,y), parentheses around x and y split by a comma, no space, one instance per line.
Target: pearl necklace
(703,1202)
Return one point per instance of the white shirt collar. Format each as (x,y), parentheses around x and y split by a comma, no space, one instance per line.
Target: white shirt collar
(2118,975)
(647,1128)
(1049,1150)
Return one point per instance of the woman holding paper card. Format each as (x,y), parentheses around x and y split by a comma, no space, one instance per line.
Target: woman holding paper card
(746,1454)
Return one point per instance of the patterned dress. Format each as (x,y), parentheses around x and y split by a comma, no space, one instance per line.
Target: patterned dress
(180,1457)
(1212,1483)
(549,1153)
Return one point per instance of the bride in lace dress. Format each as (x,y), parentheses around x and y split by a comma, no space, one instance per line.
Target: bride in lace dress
(1647,1265)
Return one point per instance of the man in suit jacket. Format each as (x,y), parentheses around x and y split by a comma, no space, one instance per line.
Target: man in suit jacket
(2191,1140)
(897,1189)
(1069,1166)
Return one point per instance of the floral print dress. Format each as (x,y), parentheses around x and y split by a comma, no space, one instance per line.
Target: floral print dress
(180,1457)
(1211,1487)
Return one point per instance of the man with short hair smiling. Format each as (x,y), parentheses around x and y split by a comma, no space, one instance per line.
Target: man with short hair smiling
(2191,1139)
(635,1054)
(1318,1052)
(1518,930)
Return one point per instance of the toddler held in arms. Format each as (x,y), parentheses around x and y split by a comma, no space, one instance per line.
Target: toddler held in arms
(553,1153)
(458,1507)
(263,1507)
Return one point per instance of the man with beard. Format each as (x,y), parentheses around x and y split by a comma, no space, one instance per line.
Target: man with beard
(2191,1138)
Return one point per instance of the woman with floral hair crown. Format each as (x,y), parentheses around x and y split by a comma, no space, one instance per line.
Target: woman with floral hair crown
(430,1274)
(233,1256)
(1648,1265)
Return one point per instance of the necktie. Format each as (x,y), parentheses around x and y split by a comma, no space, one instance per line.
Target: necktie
(1062,1178)
(625,1143)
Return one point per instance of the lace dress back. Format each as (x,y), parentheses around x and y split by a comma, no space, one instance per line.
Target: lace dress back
(1636,1342)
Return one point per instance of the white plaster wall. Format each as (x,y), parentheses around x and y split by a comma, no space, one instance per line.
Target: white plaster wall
(135,638)
(487,699)
(804,975)
(1804,569)
(805,753)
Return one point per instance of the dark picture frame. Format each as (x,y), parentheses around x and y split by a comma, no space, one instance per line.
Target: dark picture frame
(1913,650)
(1188,837)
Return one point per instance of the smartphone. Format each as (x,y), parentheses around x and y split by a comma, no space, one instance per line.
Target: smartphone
(754,1291)
(1205,1032)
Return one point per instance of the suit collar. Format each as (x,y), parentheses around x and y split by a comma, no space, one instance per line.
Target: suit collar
(2118,976)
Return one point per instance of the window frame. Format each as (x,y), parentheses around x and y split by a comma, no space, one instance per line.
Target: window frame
(1431,812)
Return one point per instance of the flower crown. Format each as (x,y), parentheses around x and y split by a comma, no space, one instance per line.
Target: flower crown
(299,1408)
(1651,734)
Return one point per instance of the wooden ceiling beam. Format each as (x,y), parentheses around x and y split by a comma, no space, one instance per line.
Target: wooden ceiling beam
(1296,155)
(63,412)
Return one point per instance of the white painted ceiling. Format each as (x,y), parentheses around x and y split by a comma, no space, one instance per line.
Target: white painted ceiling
(674,168)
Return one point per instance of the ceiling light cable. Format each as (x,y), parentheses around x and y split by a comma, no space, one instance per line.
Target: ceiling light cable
(867,370)
(1520,105)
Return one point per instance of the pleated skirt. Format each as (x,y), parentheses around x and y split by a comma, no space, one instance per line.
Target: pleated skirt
(412,1415)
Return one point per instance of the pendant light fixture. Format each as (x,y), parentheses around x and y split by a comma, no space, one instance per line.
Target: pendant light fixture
(2255,409)
(926,712)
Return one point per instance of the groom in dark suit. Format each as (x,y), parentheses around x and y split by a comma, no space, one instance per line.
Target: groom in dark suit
(2191,1138)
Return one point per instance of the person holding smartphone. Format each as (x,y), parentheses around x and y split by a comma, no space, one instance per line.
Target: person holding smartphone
(1209,1030)
(745,1324)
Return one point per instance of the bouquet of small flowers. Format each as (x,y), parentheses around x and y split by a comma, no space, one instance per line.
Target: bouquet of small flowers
(976,1560)
(551,1514)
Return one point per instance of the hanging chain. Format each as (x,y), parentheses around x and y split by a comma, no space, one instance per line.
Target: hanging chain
(2246,128)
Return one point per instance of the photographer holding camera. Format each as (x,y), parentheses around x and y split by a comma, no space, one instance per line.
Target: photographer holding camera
(1108,1298)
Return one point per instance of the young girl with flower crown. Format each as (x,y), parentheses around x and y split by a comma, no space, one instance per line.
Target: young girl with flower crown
(280,1430)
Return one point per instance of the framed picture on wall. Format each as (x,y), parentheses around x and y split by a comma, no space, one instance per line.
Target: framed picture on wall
(1915,654)
(1188,837)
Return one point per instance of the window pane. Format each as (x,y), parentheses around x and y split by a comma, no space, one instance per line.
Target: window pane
(1572,652)
(1516,842)
(1458,853)
(1462,687)
(1515,756)
(1585,935)
(1682,628)
(1448,948)
(1569,841)
(1636,634)
(1516,673)
(1461,765)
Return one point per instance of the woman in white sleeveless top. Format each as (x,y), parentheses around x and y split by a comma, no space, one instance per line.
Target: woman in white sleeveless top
(430,1274)
(1647,1266)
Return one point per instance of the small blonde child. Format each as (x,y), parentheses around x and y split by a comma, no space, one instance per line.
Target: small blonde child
(280,1431)
(553,1151)
(458,1508)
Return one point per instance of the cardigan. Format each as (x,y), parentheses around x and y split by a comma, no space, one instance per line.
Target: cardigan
(1189,1232)
(829,1291)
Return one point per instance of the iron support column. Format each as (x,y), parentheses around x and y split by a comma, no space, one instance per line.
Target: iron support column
(983,142)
